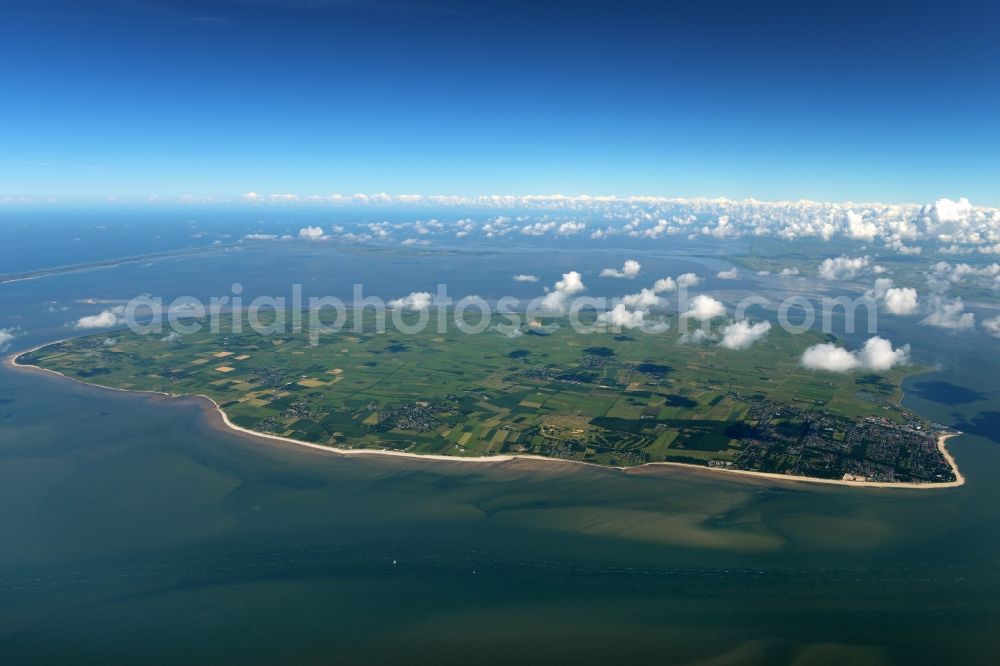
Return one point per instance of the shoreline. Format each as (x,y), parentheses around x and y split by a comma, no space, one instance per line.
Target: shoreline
(11,360)
(11,278)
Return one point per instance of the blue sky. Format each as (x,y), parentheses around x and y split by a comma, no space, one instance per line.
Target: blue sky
(830,101)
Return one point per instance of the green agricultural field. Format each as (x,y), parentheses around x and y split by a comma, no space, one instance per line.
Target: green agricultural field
(621,398)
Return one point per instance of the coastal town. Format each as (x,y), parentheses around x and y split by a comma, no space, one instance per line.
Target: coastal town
(825,445)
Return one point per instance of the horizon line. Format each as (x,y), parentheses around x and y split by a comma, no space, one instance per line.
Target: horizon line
(481,200)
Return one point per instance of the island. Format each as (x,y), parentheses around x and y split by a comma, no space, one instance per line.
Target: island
(616,398)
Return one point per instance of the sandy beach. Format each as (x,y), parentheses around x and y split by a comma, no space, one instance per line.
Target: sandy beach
(12,362)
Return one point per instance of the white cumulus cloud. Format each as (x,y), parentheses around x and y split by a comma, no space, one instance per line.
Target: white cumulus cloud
(901,300)
(945,216)
(105,319)
(688,280)
(646,298)
(417,300)
(843,267)
(522,277)
(629,270)
(558,298)
(731,274)
(538,228)
(664,284)
(570,228)
(877,354)
(992,326)
(858,228)
(948,313)
(621,317)
(704,308)
(6,335)
(895,300)
(571,283)
(829,357)
(742,334)
(959,272)
(311,233)
(722,228)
